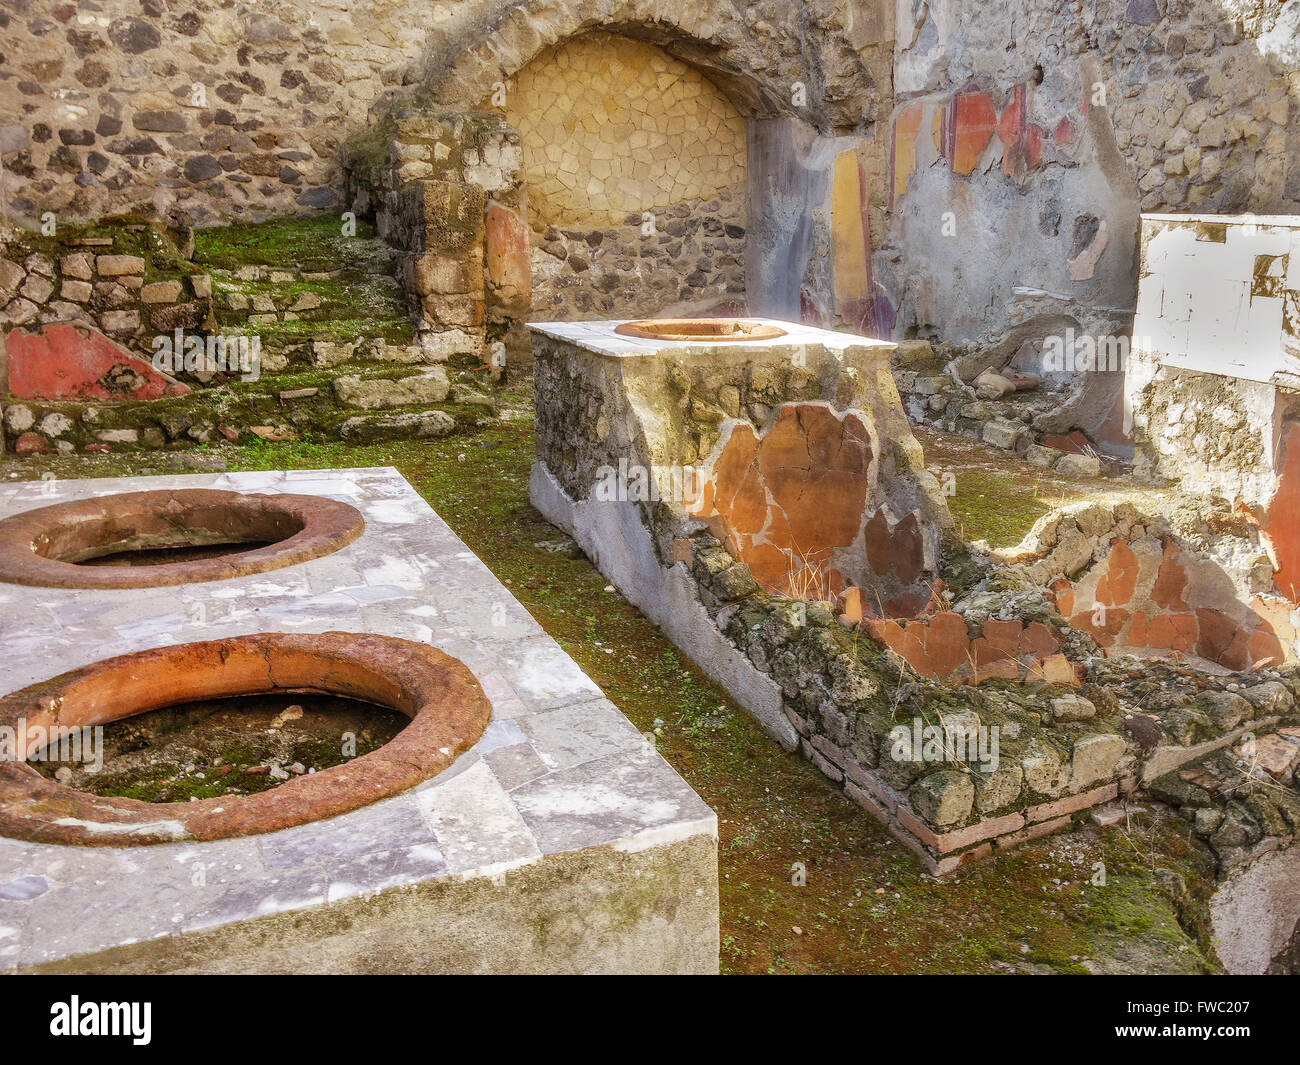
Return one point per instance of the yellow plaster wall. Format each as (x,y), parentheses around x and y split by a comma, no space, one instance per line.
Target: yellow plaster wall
(612,127)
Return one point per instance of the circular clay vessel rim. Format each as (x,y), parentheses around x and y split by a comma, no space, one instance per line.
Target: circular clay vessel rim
(447,707)
(662,329)
(326,526)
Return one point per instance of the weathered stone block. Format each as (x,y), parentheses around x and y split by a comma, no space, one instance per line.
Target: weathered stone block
(457,311)
(117,436)
(431,386)
(118,265)
(1042,456)
(1072,708)
(1044,770)
(77,291)
(120,321)
(422,425)
(943,798)
(1094,758)
(1001,434)
(11,276)
(1078,466)
(435,274)
(161,292)
(183,315)
(442,216)
(37,288)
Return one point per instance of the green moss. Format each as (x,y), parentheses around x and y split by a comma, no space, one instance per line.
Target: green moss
(276,336)
(369,147)
(1134,929)
(354,301)
(314,243)
(985,510)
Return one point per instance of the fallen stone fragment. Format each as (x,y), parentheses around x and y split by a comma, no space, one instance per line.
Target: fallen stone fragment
(422,425)
(991,385)
(1078,466)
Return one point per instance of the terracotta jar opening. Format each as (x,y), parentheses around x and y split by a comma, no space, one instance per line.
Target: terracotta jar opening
(151,539)
(443,701)
(703,330)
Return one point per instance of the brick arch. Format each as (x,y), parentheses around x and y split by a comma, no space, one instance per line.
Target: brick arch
(475,51)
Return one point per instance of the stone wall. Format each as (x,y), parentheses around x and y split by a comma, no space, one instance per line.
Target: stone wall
(693,259)
(1211,433)
(801,501)
(132,280)
(1212,390)
(1254,912)
(612,126)
(1078,649)
(1043,133)
(1079,725)
(816,215)
(187,111)
(205,112)
(635,166)
(444,189)
(755,53)
(1026,141)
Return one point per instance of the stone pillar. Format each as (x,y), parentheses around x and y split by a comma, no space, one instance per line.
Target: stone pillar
(444,188)
(443,224)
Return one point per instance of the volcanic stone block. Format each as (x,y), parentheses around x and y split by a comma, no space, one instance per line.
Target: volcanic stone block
(1094,758)
(117,265)
(378,393)
(425,424)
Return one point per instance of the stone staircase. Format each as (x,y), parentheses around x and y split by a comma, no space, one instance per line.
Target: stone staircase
(303,331)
